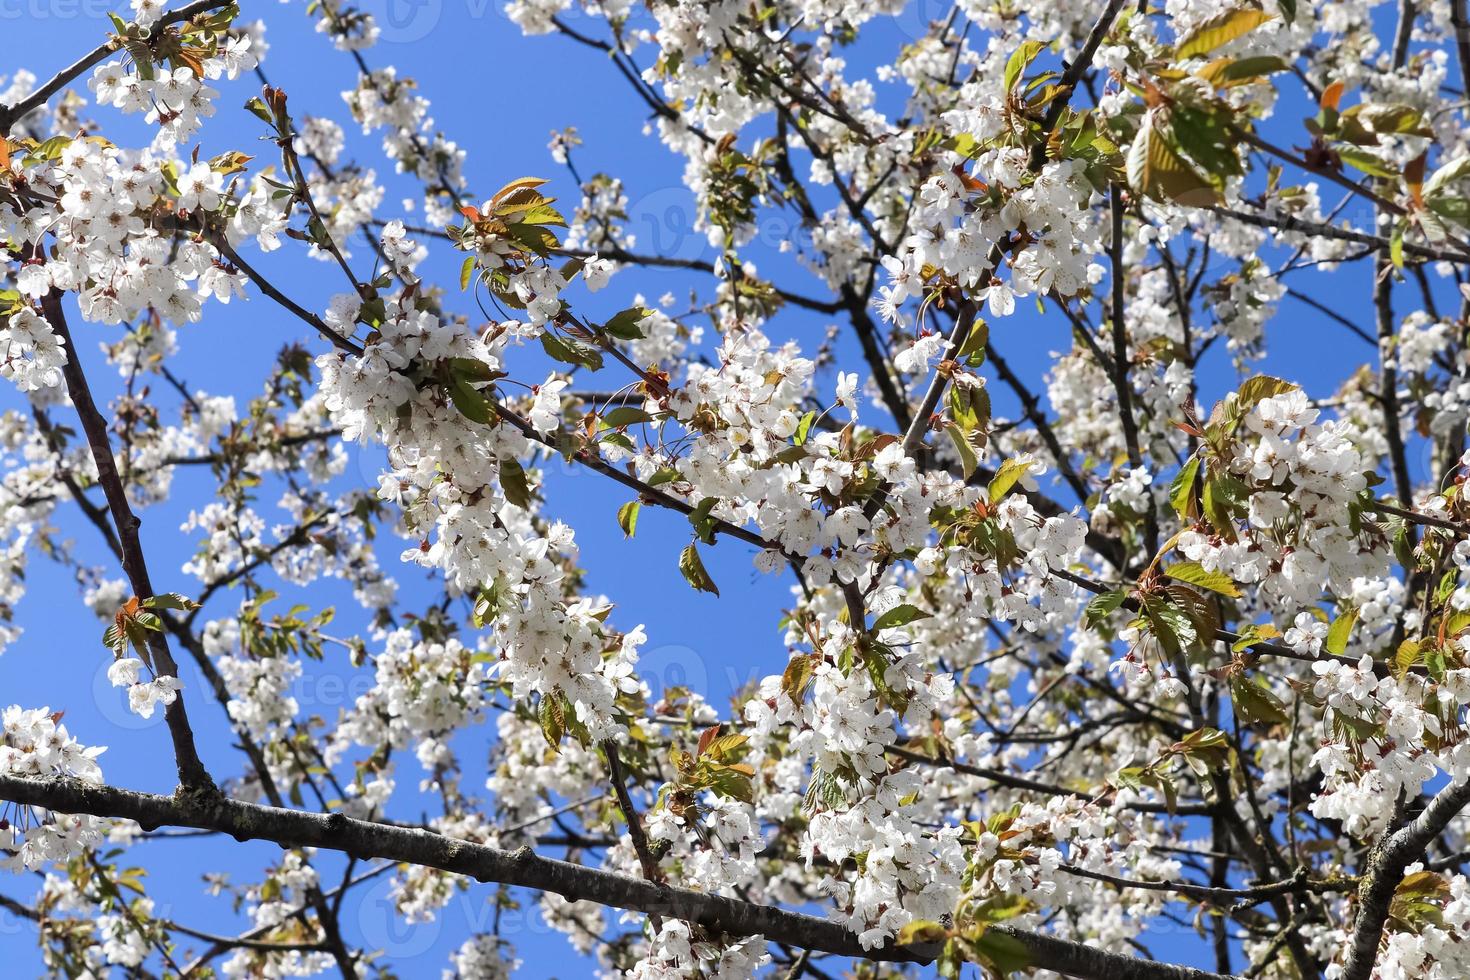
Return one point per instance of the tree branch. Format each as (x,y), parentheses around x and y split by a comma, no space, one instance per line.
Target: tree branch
(1386,865)
(192,773)
(1290,223)
(524,868)
(10,115)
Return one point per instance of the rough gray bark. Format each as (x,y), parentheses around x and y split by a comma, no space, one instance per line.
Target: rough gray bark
(525,868)
(1386,864)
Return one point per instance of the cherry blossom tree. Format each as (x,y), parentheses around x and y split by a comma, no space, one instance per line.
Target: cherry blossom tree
(1124,648)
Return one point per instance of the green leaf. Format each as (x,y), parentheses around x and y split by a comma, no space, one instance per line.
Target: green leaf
(626,415)
(1220,30)
(1456,169)
(1253,634)
(1391,118)
(466,271)
(899,616)
(1007,476)
(972,351)
(613,437)
(1170,624)
(571,268)
(787,456)
(1165,784)
(968,459)
(969,408)
(51,149)
(1019,60)
(951,961)
(1259,388)
(1429,223)
(724,749)
(259,109)
(1434,661)
(1103,606)
(1255,703)
(1221,504)
(571,351)
(1195,574)
(1456,209)
(1208,139)
(1225,72)
(1203,741)
(628,517)
(1003,907)
(1001,952)
(1367,161)
(471,404)
(1418,902)
(170,600)
(472,369)
(732,782)
(1339,632)
(1406,656)
(1202,612)
(693,569)
(1181,491)
(624,325)
(513,482)
(488,603)
(875,659)
(552,718)
(1157,169)
(542,214)
(921,931)
(804,428)
(704,525)
(797,676)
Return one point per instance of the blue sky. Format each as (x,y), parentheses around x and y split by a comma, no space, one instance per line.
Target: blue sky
(498,95)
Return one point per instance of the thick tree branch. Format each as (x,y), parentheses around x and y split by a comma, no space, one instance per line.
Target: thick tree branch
(524,868)
(192,773)
(1460,25)
(1386,864)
